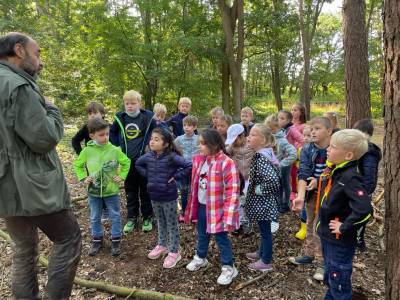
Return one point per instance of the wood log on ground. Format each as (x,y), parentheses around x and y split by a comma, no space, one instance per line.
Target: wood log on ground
(110,288)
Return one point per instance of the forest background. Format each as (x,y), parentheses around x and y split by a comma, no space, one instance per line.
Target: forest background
(94,50)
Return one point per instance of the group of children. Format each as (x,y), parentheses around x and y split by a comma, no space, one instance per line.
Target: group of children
(230,177)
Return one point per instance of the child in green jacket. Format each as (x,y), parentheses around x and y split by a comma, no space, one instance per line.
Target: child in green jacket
(102,161)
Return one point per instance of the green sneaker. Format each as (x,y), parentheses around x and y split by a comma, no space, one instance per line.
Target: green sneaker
(147,225)
(130,226)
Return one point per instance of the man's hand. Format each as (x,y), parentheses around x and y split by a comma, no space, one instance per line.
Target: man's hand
(297,204)
(88,180)
(312,185)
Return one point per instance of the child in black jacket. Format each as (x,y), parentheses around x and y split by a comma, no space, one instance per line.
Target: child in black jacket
(344,206)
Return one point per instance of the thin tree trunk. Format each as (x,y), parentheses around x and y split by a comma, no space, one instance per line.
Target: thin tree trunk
(356,76)
(276,80)
(391,153)
(225,75)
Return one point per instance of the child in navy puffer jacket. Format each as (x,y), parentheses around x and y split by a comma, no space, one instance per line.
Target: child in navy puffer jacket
(163,166)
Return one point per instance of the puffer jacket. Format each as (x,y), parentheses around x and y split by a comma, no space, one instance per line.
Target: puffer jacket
(368,166)
(159,169)
(286,152)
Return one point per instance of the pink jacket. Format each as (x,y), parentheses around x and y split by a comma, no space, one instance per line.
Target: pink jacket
(294,137)
(222,203)
(299,127)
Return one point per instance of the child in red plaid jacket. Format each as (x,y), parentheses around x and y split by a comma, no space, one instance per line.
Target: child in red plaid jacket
(214,203)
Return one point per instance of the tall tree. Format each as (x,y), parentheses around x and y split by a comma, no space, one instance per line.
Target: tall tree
(391,19)
(309,11)
(233,21)
(358,104)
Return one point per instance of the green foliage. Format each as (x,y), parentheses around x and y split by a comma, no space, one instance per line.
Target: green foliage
(95,50)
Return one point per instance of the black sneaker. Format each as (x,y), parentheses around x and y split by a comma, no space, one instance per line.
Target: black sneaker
(115,247)
(96,246)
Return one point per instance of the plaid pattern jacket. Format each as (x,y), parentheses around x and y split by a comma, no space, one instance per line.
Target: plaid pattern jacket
(222,201)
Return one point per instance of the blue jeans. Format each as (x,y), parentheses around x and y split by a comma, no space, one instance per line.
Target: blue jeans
(266,241)
(285,188)
(96,208)
(338,266)
(203,239)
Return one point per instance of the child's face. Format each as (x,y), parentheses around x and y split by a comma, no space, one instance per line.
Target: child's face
(131,105)
(240,140)
(337,154)
(215,118)
(307,135)
(203,147)
(245,117)
(189,129)
(222,127)
(319,133)
(295,110)
(160,116)
(101,137)
(93,115)
(255,139)
(282,120)
(184,108)
(157,143)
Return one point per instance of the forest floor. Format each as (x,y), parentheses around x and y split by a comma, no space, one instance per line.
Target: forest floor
(133,269)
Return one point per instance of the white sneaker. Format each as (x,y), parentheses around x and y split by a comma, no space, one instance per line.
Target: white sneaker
(319,274)
(196,263)
(274,227)
(227,275)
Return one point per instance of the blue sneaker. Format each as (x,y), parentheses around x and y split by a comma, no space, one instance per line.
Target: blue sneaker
(301,260)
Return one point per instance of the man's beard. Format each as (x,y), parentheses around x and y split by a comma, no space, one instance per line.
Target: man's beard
(29,67)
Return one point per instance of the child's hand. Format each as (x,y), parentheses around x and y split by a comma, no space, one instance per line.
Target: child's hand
(297,204)
(312,185)
(334,226)
(117,179)
(88,180)
(171,179)
(258,190)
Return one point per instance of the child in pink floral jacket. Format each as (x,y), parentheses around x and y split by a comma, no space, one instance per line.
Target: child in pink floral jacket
(214,203)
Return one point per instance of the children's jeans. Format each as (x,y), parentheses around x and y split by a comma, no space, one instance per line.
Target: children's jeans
(266,241)
(285,187)
(338,266)
(96,208)
(167,224)
(203,239)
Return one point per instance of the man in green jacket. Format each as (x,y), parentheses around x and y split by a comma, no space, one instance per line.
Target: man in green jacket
(33,190)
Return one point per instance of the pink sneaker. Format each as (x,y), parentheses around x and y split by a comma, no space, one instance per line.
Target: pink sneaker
(253,255)
(171,260)
(157,252)
(181,219)
(260,266)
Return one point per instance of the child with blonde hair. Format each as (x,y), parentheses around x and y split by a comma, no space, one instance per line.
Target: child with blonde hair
(246,118)
(160,111)
(262,200)
(175,122)
(216,113)
(333,117)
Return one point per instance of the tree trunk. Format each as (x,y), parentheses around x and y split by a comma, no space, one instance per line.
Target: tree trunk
(391,153)
(307,31)
(226,94)
(356,75)
(276,80)
(231,15)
